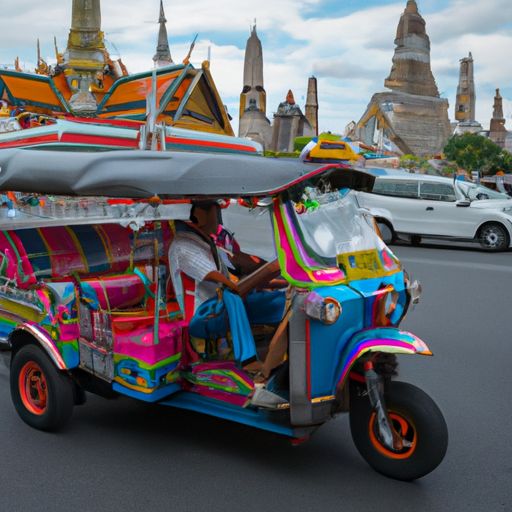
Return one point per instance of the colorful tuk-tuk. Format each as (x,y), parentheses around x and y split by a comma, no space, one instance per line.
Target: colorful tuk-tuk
(87,303)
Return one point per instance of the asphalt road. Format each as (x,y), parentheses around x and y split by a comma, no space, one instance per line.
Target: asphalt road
(127,456)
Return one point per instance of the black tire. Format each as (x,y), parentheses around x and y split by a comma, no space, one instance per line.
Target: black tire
(42,395)
(425,428)
(387,232)
(493,237)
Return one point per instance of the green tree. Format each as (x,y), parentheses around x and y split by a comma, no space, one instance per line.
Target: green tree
(413,162)
(474,152)
(503,162)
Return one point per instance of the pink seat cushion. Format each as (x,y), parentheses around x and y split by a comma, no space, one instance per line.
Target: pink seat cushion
(118,291)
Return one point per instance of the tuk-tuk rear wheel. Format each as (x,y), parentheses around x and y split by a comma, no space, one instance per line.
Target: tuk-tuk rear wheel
(418,420)
(42,395)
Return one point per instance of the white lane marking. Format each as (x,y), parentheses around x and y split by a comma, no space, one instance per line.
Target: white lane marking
(459,264)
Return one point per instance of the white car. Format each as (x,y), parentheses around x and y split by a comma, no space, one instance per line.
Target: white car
(413,206)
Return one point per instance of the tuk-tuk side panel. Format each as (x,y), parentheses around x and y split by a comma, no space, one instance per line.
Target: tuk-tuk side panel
(69,352)
(142,364)
(32,312)
(329,341)
(220,380)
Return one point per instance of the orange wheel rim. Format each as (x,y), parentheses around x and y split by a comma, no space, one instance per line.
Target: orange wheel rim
(403,427)
(33,388)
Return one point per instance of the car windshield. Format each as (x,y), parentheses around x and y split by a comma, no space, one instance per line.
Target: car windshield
(335,226)
(478,192)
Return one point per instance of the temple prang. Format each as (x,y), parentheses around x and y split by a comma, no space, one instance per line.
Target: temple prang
(411,117)
(465,104)
(411,72)
(86,42)
(466,96)
(498,132)
(253,121)
(312,104)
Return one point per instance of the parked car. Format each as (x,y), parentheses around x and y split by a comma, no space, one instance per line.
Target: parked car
(414,206)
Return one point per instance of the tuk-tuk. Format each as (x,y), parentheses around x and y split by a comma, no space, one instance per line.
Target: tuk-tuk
(87,301)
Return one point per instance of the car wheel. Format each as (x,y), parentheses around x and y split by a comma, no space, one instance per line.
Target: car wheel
(387,232)
(493,237)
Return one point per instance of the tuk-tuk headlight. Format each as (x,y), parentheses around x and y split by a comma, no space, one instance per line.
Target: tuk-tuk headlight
(324,309)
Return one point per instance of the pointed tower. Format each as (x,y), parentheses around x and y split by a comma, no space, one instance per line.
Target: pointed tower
(465,106)
(253,95)
(253,99)
(85,57)
(312,104)
(411,71)
(411,118)
(466,97)
(163,53)
(86,46)
(498,132)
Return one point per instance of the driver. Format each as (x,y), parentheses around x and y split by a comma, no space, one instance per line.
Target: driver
(200,264)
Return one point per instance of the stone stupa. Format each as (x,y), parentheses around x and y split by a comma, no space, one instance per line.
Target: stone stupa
(412,118)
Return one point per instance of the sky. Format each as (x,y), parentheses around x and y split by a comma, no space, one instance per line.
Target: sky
(347,44)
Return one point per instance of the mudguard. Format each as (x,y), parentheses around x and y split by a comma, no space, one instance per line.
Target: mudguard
(45,342)
(381,339)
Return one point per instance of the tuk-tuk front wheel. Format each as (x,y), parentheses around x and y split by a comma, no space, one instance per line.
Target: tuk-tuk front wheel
(41,394)
(415,417)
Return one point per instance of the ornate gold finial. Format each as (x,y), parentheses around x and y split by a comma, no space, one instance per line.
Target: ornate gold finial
(186,60)
(59,56)
(42,66)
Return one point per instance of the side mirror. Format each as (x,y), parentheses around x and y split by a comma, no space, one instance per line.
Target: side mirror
(463,204)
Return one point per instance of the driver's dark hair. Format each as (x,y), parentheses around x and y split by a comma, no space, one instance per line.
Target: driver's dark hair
(203,205)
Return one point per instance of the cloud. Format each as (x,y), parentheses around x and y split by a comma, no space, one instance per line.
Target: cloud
(351,54)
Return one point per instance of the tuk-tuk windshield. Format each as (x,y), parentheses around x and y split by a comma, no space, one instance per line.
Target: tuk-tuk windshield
(334,225)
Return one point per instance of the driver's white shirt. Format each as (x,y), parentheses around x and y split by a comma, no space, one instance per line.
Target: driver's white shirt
(191,255)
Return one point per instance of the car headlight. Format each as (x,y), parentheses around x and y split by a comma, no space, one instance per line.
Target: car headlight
(324,309)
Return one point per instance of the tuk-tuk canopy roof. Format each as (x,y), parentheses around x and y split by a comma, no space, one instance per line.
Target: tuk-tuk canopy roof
(143,174)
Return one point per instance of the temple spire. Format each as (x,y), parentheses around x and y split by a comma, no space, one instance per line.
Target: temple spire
(498,132)
(466,96)
(312,104)
(85,57)
(411,72)
(498,106)
(253,98)
(253,65)
(163,52)
(85,31)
